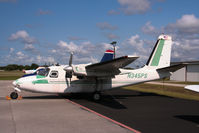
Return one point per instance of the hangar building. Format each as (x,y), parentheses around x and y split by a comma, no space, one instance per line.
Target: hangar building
(187,73)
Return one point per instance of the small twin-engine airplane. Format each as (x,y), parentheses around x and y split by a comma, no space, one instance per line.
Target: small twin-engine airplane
(108,74)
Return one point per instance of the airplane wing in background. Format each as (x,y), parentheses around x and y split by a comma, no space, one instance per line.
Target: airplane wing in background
(192,87)
(112,65)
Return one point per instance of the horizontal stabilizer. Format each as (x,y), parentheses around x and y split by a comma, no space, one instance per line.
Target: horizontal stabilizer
(112,65)
(172,68)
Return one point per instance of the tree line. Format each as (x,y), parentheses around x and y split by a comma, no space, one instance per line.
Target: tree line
(12,67)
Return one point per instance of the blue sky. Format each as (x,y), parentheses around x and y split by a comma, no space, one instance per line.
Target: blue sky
(43,31)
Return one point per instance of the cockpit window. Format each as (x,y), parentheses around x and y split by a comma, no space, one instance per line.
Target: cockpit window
(43,72)
(54,74)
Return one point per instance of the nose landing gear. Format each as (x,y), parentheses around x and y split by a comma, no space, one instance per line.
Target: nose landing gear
(14,95)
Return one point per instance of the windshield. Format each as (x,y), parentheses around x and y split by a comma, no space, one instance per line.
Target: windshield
(43,72)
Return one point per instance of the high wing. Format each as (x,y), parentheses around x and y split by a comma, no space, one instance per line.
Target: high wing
(112,65)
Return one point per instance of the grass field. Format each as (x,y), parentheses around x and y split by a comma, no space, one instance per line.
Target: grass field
(179,82)
(10,75)
(171,91)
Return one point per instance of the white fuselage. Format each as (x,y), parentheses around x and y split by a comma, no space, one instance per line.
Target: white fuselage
(61,84)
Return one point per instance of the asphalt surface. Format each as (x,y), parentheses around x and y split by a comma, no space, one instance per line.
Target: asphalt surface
(42,113)
(146,112)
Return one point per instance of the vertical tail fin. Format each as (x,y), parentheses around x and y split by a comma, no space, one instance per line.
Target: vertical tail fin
(108,55)
(161,54)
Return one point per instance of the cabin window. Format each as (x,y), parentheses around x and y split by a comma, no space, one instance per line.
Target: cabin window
(54,74)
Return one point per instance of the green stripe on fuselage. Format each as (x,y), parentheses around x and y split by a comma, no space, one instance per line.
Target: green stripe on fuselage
(156,58)
(40,81)
(40,76)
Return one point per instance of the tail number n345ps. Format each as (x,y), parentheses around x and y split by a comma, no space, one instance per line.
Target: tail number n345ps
(137,75)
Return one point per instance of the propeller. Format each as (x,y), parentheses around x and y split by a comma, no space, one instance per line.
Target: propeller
(69,68)
(71,59)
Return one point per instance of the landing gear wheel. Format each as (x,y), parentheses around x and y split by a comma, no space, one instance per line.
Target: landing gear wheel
(97,96)
(14,95)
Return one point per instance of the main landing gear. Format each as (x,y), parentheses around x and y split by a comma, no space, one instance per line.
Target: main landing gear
(96,96)
(14,95)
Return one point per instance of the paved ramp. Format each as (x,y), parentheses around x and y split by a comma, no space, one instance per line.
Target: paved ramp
(39,113)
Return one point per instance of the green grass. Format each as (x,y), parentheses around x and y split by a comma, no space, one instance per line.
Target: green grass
(186,83)
(179,82)
(10,75)
(177,92)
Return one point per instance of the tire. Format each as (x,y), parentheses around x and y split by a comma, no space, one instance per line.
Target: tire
(96,96)
(14,95)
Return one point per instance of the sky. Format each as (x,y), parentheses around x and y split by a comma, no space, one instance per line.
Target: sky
(46,31)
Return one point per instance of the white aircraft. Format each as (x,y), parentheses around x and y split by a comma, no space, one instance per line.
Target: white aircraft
(102,76)
(192,87)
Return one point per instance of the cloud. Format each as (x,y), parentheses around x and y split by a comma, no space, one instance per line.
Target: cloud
(44,12)
(11,1)
(106,26)
(185,34)
(30,48)
(111,36)
(22,35)
(113,12)
(182,47)
(43,60)
(130,7)
(150,29)
(20,55)
(84,52)
(187,24)
(15,57)
(75,38)
(11,50)
(53,51)
(33,26)
(138,44)
(70,47)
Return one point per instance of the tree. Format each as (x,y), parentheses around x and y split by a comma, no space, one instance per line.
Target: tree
(34,66)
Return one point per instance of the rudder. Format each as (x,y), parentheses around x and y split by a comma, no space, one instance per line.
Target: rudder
(108,55)
(161,54)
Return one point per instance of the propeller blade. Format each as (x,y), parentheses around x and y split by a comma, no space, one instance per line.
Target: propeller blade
(71,59)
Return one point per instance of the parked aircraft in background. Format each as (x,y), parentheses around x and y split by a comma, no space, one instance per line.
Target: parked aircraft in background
(32,71)
(192,87)
(105,75)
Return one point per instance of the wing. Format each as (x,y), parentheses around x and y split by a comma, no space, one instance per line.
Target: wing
(172,68)
(112,65)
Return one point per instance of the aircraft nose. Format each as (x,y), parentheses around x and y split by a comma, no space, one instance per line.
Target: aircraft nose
(14,83)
